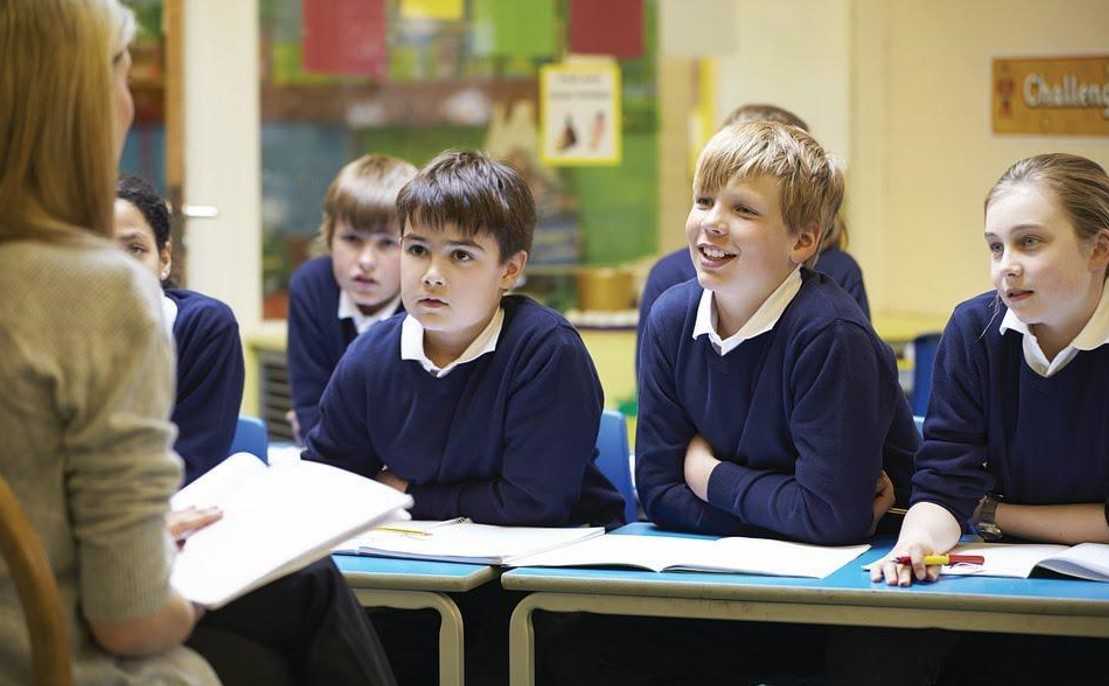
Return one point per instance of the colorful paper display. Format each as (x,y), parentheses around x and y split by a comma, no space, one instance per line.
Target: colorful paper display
(612,27)
(345,37)
(514,27)
(441,10)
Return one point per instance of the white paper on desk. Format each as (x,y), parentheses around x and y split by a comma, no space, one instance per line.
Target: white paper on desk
(1085,561)
(464,541)
(1018,560)
(275,521)
(728,555)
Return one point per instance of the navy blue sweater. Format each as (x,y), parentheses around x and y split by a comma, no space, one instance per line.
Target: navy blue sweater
(803,417)
(845,271)
(505,439)
(996,426)
(677,267)
(317,337)
(209,380)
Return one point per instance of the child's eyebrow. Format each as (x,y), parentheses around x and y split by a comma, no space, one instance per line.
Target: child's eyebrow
(465,244)
(129,235)
(1018,228)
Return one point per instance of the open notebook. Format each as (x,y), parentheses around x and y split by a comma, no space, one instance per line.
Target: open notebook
(669,553)
(460,540)
(1017,560)
(276,520)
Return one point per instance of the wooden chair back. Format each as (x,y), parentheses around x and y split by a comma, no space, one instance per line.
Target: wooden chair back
(51,661)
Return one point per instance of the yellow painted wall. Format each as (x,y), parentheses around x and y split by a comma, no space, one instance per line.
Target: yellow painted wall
(922,146)
(901,91)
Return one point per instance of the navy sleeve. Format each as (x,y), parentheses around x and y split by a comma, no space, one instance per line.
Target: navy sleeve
(340,437)
(551,425)
(656,284)
(840,414)
(209,394)
(663,433)
(309,363)
(858,291)
(949,466)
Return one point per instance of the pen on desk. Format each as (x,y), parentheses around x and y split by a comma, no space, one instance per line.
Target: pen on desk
(945,559)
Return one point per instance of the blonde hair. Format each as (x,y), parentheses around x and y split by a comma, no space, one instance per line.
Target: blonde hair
(1080,185)
(364,195)
(764,112)
(58,155)
(811,181)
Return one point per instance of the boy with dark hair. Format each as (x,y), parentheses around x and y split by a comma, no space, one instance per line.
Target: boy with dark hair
(477,403)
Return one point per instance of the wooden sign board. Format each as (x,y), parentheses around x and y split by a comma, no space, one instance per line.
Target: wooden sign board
(1052,96)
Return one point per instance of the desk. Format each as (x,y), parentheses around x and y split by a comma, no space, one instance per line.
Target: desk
(1034,606)
(415,585)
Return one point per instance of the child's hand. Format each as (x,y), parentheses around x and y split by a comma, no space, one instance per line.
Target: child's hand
(883,499)
(391,480)
(699,463)
(896,574)
(184,523)
(291,417)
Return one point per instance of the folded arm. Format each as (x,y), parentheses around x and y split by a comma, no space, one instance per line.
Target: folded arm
(550,433)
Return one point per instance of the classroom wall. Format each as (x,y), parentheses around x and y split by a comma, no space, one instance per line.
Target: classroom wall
(794,54)
(901,91)
(925,102)
(222,158)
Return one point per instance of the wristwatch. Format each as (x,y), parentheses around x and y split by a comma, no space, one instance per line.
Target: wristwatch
(983,522)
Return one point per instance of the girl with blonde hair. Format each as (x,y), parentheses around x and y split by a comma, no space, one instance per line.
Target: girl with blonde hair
(87,368)
(84,415)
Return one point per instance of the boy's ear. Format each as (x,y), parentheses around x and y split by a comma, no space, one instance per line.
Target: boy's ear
(512,269)
(805,244)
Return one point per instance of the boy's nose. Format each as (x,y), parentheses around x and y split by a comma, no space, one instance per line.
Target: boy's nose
(366,258)
(714,226)
(432,277)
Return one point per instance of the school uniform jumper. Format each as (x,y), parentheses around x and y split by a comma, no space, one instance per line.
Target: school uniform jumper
(209,380)
(996,426)
(317,337)
(507,438)
(803,416)
(677,267)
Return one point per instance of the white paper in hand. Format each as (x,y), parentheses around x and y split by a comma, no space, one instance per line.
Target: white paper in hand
(275,521)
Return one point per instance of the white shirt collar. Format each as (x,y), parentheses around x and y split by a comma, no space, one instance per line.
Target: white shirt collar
(412,344)
(1094,335)
(169,314)
(348,309)
(761,321)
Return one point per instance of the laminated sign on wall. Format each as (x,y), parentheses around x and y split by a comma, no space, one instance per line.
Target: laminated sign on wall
(581,114)
(1056,95)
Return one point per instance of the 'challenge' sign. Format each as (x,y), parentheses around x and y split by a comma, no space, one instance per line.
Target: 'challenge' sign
(1051,96)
